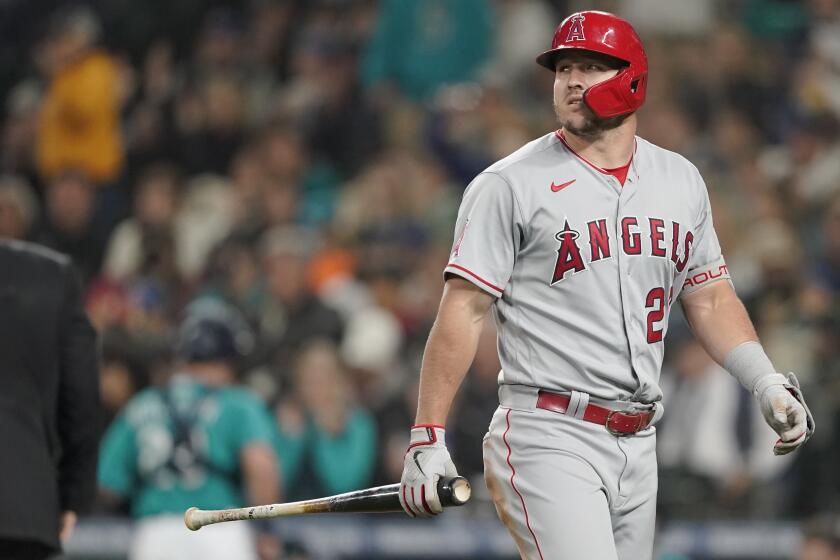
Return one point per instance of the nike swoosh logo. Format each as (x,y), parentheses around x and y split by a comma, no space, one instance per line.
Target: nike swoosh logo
(561,186)
(416,462)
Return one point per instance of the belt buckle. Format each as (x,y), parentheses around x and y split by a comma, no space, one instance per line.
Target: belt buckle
(609,428)
(619,433)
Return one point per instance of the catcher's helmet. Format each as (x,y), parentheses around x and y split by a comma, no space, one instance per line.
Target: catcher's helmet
(608,34)
(213,331)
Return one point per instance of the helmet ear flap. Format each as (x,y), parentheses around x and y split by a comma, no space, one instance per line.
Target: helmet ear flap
(613,97)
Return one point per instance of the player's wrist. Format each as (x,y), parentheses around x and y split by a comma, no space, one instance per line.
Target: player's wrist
(427,434)
(750,365)
(773,381)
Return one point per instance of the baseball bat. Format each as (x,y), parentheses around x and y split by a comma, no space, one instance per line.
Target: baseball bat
(381,499)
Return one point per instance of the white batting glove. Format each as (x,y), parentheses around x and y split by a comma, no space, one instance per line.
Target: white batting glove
(784,409)
(426,460)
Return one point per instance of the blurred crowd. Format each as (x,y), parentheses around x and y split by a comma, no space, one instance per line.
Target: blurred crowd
(303,161)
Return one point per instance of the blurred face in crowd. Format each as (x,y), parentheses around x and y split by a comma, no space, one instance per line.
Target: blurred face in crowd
(280,203)
(220,43)
(13,220)
(575,72)
(283,156)
(320,379)
(62,49)
(735,137)
(247,174)
(269,22)
(286,276)
(667,127)
(729,48)
(156,200)
(243,271)
(116,385)
(224,105)
(70,200)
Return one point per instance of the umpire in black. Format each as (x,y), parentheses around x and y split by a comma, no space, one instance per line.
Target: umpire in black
(49,401)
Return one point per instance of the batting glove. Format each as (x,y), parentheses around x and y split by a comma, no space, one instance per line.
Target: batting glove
(426,460)
(784,409)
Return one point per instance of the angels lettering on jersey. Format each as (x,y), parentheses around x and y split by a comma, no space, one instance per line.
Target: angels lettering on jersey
(577,249)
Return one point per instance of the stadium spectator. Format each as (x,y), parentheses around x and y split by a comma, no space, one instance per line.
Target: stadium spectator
(49,401)
(80,116)
(20,129)
(149,128)
(69,222)
(290,314)
(146,243)
(206,216)
(418,46)
(327,442)
(519,24)
(341,123)
(18,208)
(198,441)
(287,161)
(209,147)
(370,350)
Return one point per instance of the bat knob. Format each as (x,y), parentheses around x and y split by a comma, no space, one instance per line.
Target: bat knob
(455,491)
(188,520)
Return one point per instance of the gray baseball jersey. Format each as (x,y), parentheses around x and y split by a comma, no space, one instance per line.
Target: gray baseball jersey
(585,270)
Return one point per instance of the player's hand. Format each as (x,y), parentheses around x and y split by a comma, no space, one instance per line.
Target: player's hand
(784,409)
(426,460)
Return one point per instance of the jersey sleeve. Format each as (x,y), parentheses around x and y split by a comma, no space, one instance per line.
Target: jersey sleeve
(706,263)
(252,422)
(487,234)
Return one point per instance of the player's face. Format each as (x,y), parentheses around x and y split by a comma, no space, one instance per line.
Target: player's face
(575,72)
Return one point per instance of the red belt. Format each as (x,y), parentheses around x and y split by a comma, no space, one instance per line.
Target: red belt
(617,422)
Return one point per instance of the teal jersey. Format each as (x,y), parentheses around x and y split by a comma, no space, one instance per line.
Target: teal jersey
(338,463)
(420,46)
(178,447)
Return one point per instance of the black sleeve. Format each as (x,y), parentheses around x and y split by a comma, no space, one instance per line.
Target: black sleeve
(79,412)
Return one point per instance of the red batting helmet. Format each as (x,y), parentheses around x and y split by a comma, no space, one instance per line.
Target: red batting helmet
(613,36)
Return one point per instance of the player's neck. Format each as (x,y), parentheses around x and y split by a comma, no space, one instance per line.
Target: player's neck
(611,149)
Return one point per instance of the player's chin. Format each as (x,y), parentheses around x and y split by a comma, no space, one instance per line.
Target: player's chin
(575,123)
(575,114)
(565,113)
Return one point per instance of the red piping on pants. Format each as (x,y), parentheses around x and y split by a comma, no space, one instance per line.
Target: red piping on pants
(512,474)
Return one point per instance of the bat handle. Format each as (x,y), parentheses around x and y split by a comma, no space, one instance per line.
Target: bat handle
(454,491)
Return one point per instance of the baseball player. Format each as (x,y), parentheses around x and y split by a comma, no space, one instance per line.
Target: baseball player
(198,440)
(581,242)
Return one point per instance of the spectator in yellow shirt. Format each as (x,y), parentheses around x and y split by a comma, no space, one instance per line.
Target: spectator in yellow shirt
(79,125)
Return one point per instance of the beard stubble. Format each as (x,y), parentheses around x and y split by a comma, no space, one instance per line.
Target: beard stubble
(593,127)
